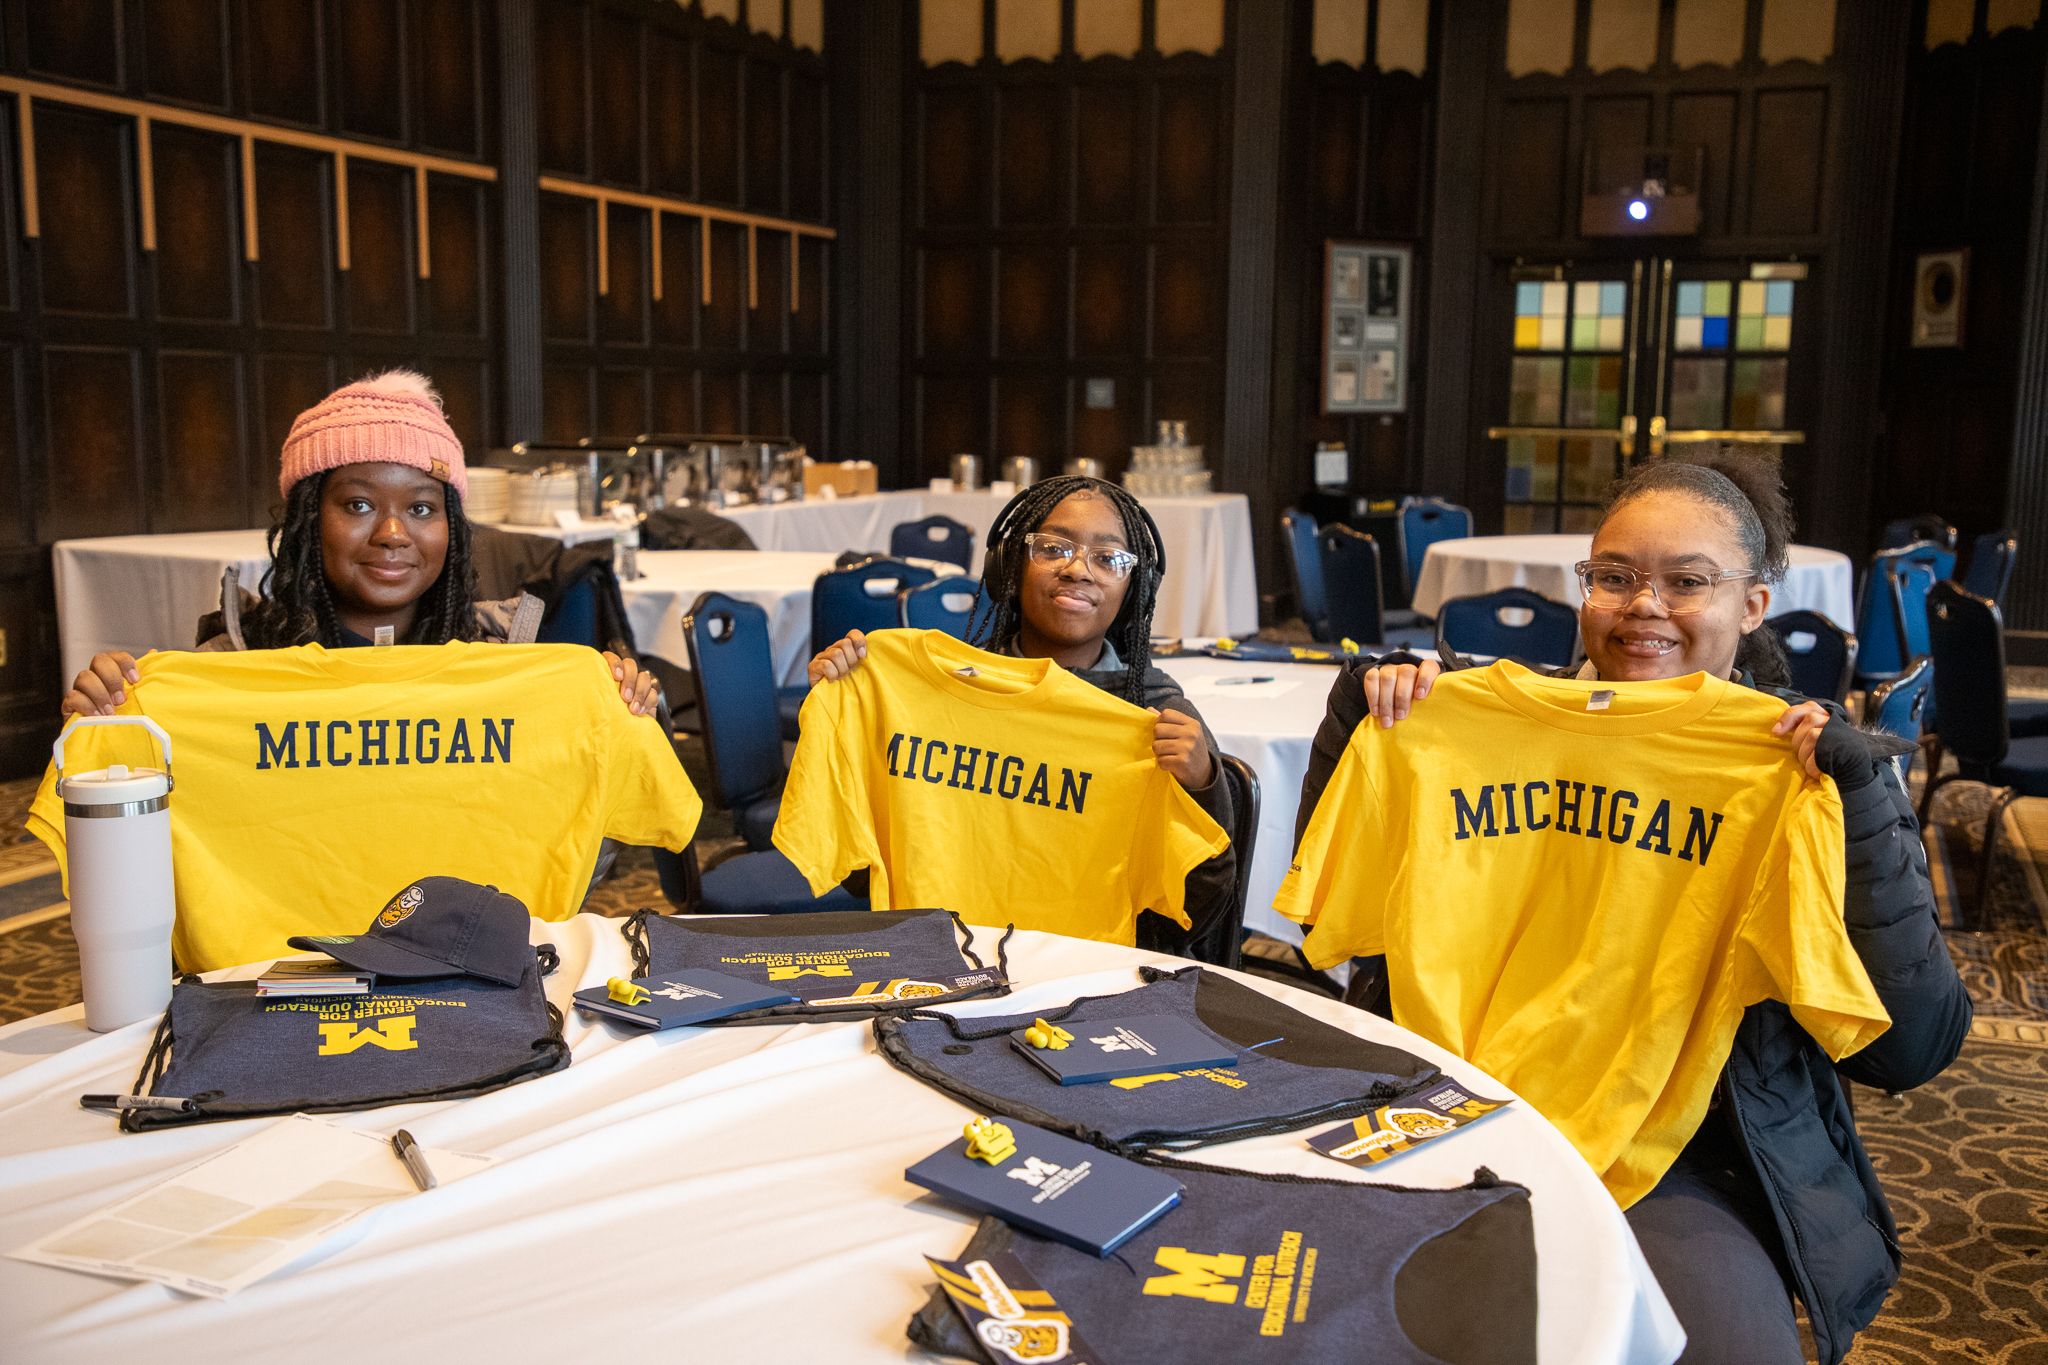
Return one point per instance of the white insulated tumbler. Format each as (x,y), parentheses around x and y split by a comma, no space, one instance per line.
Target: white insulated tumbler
(117,838)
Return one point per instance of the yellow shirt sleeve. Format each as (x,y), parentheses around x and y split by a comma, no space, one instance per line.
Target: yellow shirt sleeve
(649,800)
(826,824)
(1183,839)
(1794,934)
(1330,868)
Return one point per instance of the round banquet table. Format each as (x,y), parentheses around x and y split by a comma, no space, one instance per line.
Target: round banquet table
(1267,715)
(1817,580)
(733,1193)
(779,582)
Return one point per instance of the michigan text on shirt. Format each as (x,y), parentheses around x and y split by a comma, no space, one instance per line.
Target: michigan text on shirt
(1585,809)
(967,768)
(383,743)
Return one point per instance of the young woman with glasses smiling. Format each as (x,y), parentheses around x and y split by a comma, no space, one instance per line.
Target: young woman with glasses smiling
(1774,1195)
(1072,570)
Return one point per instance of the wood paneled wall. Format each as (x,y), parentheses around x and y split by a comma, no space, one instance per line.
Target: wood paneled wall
(1364,174)
(662,100)
(1966,179)
(147,391)
(1067,221)
(148,387)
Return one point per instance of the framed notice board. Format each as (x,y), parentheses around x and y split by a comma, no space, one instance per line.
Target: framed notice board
(1365,327)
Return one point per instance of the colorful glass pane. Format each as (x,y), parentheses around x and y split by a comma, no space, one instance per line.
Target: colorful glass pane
(1613,298)
(1778,298)
(1758,399)
(1535,396)
(1588,469)
(1528,299)
(1610,333)
(1608,412)
(1554,295)
(1586,298)
(1714,298)
(1685,333)
(1714,332)
(1543,471)
(1777,333)
(1521,459)
(1528,333)
(1585,332)
(1749,333)
(1689,299)
(1552,335)
(1750,298)
(1696,397)
(1581,398)
(1520,519)
(1579,520)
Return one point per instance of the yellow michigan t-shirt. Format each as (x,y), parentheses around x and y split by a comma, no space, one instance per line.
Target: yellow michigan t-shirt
(1579,886)
(1006,790)
(313,783)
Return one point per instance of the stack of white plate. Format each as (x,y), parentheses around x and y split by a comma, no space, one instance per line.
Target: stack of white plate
(490,495)
(537,496)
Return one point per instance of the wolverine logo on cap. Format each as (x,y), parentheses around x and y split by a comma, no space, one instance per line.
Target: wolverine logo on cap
(406,902)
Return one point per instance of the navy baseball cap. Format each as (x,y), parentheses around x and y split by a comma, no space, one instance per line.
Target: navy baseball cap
(438,926)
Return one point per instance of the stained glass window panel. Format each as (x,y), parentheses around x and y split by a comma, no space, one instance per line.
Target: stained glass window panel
(1528,333)
(1714,332)
(1758,399)
(1552,335)
(1554,296)
(1696,388)
(1538,385)
(1750,298)
(1778,298)
(1521,461)
(1749,333)
(1610,333)
(1685,333)
(1777,333)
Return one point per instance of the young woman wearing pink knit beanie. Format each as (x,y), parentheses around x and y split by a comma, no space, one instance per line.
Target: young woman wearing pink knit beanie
(371,536)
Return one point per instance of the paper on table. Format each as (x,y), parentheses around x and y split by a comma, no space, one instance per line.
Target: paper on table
(245,1212)
(1240,687)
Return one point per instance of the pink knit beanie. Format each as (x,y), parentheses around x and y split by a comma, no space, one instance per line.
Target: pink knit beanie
(389,418)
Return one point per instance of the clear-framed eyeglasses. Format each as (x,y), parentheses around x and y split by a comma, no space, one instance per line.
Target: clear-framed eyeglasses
(1613,587)
(1055,552)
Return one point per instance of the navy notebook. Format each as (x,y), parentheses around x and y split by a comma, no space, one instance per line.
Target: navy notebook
(1053,1186)
(692,996)
(1111,1049)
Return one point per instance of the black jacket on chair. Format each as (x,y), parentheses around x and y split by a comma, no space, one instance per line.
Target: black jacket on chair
(1778,1090)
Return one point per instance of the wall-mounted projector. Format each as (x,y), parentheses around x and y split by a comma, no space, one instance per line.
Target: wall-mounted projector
(1645,202)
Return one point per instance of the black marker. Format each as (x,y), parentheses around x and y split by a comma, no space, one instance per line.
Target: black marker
(118,1102)
(1243,682)
(415,1160)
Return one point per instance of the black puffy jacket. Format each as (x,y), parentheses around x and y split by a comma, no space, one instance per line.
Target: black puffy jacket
(1779,1091)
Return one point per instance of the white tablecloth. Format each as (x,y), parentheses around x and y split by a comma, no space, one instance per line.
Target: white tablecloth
(1269,725)
(730,1194)
(780,583)
(138,593)
(1210,588)
(1817,580)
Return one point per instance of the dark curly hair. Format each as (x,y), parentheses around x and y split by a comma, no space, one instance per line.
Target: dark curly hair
(298,607)
(1744,483)
(1002,575)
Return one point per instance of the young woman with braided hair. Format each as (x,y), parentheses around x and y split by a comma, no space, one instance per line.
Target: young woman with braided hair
(1072,570)
(371,536)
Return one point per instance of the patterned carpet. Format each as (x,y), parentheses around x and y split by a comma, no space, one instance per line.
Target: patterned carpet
(1964,1159)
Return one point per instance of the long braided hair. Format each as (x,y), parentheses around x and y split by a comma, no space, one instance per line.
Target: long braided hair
(298,606)
(1002,575)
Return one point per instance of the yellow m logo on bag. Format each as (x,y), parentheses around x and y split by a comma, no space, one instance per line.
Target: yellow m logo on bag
(1194,1275)
(393,1035)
